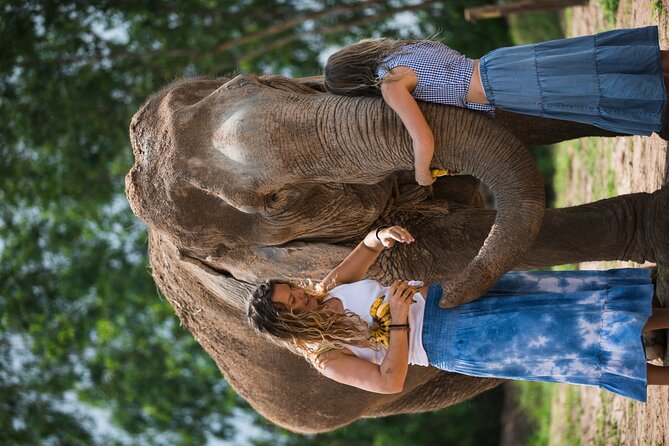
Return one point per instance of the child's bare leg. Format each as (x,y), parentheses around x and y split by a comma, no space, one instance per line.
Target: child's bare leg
(659,319)
(657,375)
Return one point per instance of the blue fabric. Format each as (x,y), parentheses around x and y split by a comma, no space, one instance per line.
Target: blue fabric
(612,80)
(578,327)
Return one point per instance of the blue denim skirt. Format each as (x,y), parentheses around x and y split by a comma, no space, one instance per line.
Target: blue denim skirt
(577,327)
(612,80)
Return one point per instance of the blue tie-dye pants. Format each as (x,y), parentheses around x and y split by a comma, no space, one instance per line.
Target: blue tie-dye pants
(578,327)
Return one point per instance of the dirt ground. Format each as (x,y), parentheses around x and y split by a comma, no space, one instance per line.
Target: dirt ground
(639,165)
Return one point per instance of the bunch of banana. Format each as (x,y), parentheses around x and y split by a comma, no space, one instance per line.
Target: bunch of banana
(380,312)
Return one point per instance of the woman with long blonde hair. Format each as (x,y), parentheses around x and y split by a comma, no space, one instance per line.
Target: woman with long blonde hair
(579,327)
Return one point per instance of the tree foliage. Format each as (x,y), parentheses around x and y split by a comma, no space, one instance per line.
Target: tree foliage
(76,292)
(472,423)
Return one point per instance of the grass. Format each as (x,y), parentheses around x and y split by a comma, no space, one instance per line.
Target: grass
(538,400)
(657,7)
(535,400)
(573,409)
(535,27)
(594,169)
(607,433)
(610,10)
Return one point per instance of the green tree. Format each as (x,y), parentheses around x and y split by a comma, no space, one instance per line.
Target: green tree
(75,288)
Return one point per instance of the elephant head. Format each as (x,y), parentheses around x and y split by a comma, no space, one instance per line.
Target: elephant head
(224,165)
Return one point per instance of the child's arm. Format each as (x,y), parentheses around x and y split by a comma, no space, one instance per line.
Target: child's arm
(355,265)
(397,94)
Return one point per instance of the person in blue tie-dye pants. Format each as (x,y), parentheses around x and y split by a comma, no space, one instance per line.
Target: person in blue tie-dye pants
(578,327)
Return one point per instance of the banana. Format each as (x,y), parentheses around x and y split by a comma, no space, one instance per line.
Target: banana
(383,309)
(442,172)
(375,306)
(379,331)
(386,317)
(381,336)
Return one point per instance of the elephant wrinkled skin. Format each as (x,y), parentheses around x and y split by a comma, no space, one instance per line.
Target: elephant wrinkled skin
(245,179)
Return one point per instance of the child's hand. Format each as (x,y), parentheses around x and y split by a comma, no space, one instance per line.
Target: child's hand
(424,177)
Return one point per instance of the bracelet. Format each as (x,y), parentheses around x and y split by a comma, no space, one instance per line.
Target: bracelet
(379,229)
(399,327)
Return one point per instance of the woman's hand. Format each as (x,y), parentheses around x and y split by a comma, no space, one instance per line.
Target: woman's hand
(399,299)
(388,236)
(357,263)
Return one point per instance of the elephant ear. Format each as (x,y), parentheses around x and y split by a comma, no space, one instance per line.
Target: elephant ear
(314,82)
(292,85)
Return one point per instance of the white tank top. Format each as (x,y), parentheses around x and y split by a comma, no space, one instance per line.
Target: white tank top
(358,297)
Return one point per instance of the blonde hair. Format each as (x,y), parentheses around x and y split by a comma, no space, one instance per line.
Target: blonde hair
(352,70)
(307,333)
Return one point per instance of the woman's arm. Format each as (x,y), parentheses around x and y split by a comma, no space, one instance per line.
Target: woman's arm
(357,263)
(346,368)
(397,94)
(387,377)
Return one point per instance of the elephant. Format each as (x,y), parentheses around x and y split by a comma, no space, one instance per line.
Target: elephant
(243,179)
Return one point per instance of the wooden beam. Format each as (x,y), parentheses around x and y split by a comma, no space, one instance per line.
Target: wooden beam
(495,11)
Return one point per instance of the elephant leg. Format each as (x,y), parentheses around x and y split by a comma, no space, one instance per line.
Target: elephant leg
(631,227)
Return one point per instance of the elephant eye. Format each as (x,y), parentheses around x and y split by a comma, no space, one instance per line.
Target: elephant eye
(272,198)
(280,199)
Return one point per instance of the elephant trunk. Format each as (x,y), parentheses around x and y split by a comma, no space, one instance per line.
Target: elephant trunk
(503,164)
(465,141)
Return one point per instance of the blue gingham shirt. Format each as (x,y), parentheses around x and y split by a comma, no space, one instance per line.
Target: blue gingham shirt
(443,73)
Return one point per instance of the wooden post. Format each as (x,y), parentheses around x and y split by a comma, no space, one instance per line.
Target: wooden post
(494,11)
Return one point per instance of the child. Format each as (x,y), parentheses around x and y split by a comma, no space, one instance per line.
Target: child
(612,80)
(579,327)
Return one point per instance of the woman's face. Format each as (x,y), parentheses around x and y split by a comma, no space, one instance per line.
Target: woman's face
(293,298)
